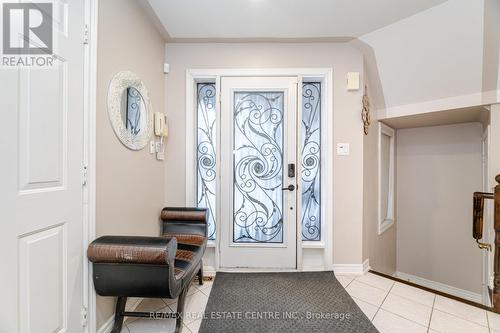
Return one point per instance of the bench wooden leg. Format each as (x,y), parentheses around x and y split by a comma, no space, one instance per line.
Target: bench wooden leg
(200,275)
(180,310)
(120,308)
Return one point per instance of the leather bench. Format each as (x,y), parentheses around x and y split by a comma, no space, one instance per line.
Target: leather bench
(152,267)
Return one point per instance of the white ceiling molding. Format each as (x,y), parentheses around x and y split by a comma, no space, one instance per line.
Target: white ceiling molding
(280,20)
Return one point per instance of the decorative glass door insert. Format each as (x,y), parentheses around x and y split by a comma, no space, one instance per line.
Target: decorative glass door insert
(311,161)
(258,224)
(258,167)
(206,154)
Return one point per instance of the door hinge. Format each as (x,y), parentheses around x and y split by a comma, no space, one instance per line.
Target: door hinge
(86,34)
(84,316)
(84,175)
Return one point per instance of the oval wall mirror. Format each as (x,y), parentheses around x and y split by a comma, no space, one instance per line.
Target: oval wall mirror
(129,110)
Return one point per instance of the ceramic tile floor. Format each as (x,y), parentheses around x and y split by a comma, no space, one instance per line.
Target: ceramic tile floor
(396,307)
(391,306)
(196,301)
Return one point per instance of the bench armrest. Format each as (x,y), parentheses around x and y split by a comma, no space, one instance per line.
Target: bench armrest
(133,250)
(184,214)
(184,220)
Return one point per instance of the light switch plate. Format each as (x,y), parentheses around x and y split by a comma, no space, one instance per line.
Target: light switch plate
(159,147)
(343,149)
(353,81)
(152,147)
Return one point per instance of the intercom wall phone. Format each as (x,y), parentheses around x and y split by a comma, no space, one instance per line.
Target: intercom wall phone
(161,124)
(161,130)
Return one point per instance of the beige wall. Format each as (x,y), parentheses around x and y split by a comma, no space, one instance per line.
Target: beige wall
(491,52)
(379,249)
(438,169)
(348,172)
(130,189)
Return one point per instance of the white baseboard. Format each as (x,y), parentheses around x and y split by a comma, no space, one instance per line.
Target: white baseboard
(313,269)
(352,268)
(465,294)
(209,271)
(131,306)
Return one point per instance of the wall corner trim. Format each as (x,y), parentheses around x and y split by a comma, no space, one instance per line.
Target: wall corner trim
(359,269)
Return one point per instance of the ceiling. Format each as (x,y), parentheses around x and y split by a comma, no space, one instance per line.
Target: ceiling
(281,19)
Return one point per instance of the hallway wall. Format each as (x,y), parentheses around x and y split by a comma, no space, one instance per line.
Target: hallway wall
(129,183)
(438,169)
(379,249)
(348,170)
(491,53)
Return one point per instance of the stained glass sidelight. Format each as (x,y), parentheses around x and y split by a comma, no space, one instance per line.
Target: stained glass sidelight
(258,167)
(206,153)
(311,144)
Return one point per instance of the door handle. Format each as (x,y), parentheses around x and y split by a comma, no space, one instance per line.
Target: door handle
(290,187)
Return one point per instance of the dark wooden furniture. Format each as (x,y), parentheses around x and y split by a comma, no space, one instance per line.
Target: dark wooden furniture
(477,234)
(152,267)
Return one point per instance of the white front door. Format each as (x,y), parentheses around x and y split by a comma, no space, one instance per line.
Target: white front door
(41,149)
(258,172)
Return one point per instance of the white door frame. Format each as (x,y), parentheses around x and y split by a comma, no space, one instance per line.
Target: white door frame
(89,190)
(487,274)
(323,75)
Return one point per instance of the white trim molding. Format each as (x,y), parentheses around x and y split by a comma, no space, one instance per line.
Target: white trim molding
(449,103)
(385,221)
(325,76)
(462,293)
(358,269)
(89,190)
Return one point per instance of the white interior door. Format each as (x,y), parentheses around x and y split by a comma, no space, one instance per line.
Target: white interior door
(258,145)
(41,145)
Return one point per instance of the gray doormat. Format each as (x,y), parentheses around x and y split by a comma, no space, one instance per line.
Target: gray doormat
(281,302)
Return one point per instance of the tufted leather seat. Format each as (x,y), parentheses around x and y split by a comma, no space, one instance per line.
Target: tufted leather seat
(190,248)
